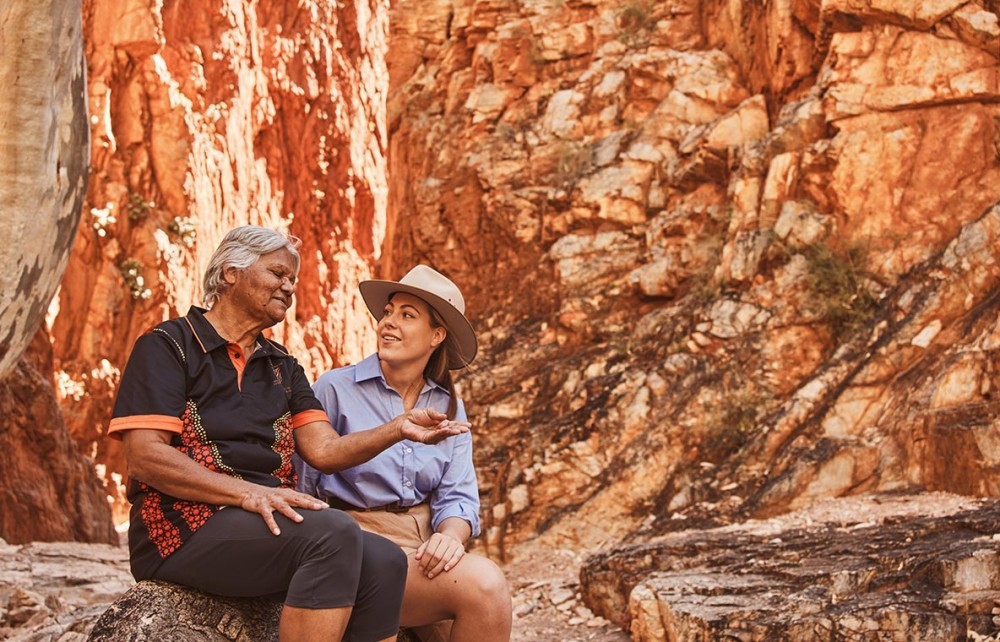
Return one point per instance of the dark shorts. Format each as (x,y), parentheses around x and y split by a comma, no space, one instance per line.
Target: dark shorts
(323,562)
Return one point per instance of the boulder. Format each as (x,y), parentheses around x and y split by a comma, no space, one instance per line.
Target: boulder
(914,568)
(153,610)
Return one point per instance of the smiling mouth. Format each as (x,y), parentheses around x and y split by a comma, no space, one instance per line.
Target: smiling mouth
(388,338)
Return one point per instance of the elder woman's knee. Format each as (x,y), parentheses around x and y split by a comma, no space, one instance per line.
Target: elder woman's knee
(329,566)
(384,559)
(334,532)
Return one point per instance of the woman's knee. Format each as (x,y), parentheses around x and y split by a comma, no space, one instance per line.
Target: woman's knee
(487,583)
(384,558)
(333,533)
(490,580)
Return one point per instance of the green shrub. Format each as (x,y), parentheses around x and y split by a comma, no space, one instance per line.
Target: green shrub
(573,161)
(840,285)
(131,270)
(732,421)
(185,228)
(636,21)
(137,207)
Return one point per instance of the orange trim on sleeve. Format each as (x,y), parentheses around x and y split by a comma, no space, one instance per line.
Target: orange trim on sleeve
(149,422)
(307,417)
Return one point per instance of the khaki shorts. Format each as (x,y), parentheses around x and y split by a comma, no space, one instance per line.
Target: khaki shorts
(408,530)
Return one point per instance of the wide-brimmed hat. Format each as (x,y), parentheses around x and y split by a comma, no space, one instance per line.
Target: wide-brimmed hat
(437,291)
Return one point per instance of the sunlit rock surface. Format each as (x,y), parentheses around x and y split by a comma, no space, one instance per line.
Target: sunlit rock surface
(205,117)
(747,254)
(904,568)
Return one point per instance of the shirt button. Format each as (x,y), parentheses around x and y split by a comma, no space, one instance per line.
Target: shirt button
(408,483)
(409,450)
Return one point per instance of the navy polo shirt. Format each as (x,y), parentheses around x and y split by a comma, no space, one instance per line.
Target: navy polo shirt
(230,414)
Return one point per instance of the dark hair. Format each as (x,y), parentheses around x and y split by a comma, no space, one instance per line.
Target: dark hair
(437,366)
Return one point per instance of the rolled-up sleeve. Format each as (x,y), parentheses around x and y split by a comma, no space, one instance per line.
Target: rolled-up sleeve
(458,493)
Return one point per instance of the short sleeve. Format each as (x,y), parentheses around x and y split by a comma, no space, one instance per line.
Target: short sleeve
(326,392)
(302,402)
(152,391)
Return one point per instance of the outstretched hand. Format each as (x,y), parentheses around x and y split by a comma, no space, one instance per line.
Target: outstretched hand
(429,426)
(265,501)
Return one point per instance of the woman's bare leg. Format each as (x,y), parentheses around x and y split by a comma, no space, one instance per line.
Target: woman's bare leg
(313,625)
(474,594)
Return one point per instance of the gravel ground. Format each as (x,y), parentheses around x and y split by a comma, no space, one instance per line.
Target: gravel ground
(545,584)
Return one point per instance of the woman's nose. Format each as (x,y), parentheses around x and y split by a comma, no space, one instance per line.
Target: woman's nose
(288,285)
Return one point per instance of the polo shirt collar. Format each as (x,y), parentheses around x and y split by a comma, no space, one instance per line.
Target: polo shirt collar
(210,340)
(369,368)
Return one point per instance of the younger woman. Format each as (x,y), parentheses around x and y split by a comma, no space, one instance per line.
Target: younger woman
(423,497)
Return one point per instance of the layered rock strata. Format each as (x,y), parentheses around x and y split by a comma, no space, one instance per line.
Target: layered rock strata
(889,568)
(746,251)
(57,591)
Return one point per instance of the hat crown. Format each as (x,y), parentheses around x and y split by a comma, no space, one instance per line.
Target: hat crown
(430,280)
(439,292)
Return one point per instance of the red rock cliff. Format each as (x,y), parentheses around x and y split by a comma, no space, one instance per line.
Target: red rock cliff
(206,116)
(727,257)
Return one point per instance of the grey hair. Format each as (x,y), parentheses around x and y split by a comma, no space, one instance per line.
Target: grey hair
(241,248)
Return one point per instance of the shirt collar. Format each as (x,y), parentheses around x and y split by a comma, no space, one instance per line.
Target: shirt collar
(209,339)
(369,368)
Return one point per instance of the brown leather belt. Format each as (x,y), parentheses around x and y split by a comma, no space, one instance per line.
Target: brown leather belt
(394,507)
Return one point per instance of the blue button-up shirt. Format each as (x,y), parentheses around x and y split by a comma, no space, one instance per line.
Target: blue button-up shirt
(358,398)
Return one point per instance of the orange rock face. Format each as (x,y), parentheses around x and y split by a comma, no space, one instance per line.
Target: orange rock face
(204,117)
(729,240)
(725,258)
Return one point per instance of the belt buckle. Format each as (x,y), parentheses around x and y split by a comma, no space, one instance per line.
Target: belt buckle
(395,507)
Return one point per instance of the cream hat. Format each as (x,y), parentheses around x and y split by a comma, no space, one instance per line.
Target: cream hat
(437,291)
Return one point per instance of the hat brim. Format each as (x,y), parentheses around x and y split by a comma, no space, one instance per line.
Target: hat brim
(376,295)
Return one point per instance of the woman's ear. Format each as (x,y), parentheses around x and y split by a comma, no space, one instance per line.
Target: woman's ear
(229,274)
(438,336)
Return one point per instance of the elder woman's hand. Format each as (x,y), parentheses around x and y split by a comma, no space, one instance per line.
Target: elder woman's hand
(264,501)
(430,426)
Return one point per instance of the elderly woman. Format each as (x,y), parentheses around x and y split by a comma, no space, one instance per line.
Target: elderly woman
(210,413)
(422,496)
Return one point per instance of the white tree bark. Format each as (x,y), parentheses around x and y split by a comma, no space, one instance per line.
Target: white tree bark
(44,157)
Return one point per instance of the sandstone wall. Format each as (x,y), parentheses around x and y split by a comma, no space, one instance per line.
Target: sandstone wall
(205,116)
(726,257)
